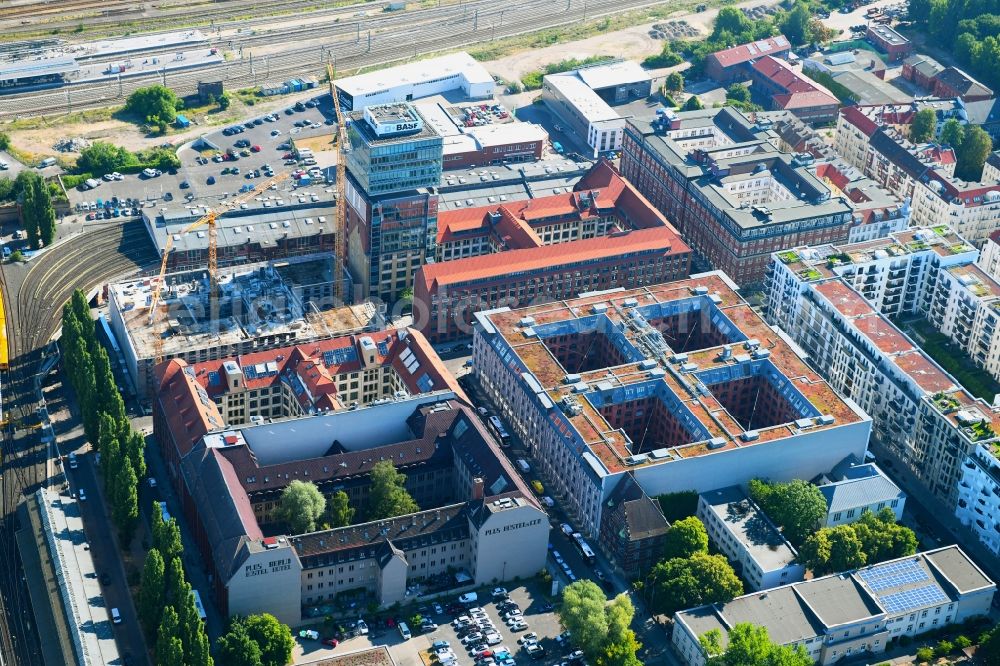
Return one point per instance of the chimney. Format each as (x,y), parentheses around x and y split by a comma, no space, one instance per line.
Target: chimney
(477,488)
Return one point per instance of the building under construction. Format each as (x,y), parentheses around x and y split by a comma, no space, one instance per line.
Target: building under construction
(256,307)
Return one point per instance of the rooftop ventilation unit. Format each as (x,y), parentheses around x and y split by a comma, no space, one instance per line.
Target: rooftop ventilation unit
(750,436)
(580,387)
(571,379)
(630,302)
(716,443)
(659,454)
(599,308)
(761,353)
(679,358)
(752,343)
(529,332)
(647,364)
(570,406)
(527,321)
(804,423)
(825,419)
(726,353)
(689,367)
(637,459)
(699,291)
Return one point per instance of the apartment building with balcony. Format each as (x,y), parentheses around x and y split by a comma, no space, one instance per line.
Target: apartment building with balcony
(971,209)
(921,415)
(979,495)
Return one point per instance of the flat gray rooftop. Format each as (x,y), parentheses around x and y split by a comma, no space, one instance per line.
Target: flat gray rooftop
(23,69)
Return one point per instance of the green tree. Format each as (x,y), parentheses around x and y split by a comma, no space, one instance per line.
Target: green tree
(110,454)
(685,583)
(236,648)
(388,496)
(692,104)
(738,92)
(101,157)
(989,649)
(176,584)
(125,500)
(922,126)
(109,400)
(943,648)
(339,512)
(173,653)
(674,82)
(924,655)
(798,506)
(135,448)
(846,551)
(621,652)
(685,538)
(151,591)
(224,101)
(952,133)
(4,141)
(815,552)
(976,147)
(37,214)
(166,535)
(919,10)
(274,639)
(711,642)
(301,506)
(192,629)
(620,612)
(796,24)
(750,645)
(169,630)
(731,20)
(154,104)
(583,614)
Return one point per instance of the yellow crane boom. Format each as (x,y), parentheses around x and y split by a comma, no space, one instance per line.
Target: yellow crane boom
(340,233)
(208,219)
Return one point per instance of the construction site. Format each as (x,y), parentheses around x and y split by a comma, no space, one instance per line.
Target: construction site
(255,307)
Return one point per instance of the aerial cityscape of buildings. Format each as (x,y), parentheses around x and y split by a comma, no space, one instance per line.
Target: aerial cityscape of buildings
(394,347)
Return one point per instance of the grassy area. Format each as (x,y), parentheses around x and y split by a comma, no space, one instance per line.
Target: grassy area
(42,122)
(840,90)
(580,30)
(977,381)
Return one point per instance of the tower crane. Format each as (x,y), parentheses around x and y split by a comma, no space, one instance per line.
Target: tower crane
(340,234)
(207,219)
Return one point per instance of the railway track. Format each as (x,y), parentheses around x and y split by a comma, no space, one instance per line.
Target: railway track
(33,316)
(346,53)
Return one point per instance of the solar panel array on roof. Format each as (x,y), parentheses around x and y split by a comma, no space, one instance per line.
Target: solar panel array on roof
(920,597)
(340,356)
(893,574)
(213,378)
(383,347)
(425,383)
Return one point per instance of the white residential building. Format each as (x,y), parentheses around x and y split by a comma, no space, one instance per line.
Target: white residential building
(850,614)
(979,496)
(748,539)
(989,255)
(852,488)
(972,210)
(920,413)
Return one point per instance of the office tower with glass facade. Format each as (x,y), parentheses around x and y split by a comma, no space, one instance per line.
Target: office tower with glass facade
(393,170)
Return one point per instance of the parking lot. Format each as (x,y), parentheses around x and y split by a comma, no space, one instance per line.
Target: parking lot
(206,178)
(532,600)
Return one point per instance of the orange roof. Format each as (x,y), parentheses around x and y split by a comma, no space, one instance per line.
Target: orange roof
(847,301)
(550,256)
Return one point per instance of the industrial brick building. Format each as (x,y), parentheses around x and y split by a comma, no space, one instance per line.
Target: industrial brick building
(886,39)
(680,385)
(603,234)
(778,87)
(731,192)
(850,614)
(734,64)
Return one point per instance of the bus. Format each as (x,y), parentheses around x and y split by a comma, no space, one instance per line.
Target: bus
(199,606)
(584,548)
(496,425)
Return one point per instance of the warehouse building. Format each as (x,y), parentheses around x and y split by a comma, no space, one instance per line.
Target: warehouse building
(888,41)
(778,87)
(478,522)
(733,64)
(412,81)
(257,307)
(681,385)
(850,614)
(733,194)
(583,111)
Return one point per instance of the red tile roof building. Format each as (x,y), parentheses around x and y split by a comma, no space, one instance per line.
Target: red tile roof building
(316,377)
(732,64)
(604,234)
(778,87)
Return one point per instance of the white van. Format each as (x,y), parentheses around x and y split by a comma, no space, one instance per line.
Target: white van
(404,631)
(523,465)
(47,162)
(116,617)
